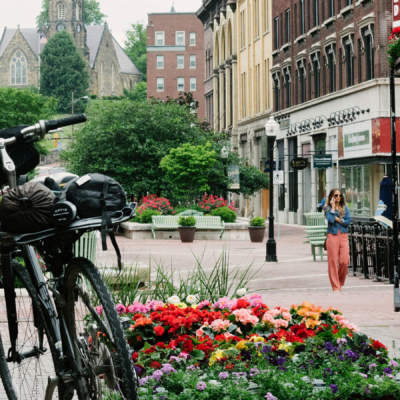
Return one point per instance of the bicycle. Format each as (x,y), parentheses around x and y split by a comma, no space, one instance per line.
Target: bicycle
(64,337)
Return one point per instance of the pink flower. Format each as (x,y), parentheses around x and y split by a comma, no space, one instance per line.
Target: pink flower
(243,315)
(120,308)
(99,310)
(219,325)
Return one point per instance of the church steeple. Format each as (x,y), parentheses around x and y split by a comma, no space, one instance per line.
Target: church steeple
(68,15)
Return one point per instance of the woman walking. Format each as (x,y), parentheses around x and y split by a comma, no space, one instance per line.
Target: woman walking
(337,243)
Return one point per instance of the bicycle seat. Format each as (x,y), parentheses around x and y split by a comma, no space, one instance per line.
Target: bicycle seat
(85,224)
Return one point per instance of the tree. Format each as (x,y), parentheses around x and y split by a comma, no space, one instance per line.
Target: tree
(63,71)
(136,47)
(127,140)
(251,179)
(138,93)
(24,107)
(187,169)
(91,14)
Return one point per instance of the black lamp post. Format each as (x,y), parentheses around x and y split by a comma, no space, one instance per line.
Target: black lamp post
(394,69)
(271,129)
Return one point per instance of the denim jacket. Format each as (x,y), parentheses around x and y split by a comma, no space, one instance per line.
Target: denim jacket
(334,226)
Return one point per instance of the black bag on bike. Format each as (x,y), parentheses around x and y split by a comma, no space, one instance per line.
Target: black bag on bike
(98,195)
(26,208)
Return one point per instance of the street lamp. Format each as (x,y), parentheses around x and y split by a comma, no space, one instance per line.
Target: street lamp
(394,71)
(271,129)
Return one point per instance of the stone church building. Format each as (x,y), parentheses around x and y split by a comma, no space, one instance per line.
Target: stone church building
(110,69)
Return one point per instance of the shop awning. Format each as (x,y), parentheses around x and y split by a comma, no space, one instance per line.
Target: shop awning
(367,160)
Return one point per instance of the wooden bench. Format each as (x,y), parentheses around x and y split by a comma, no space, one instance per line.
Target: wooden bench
(213,222)
(164,223)
(316,235)
(170,222)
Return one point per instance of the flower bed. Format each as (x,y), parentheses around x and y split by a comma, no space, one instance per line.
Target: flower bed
(241,349)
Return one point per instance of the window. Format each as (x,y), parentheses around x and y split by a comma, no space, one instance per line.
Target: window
(302,82)
(331,69)
(316,13)
(242,29)
(180,62)
(256,13)
(287,25)
(18,69)
(243,90)
(265,20)
(160,62)
(302,17)
(369,52)
(349,59)
(276,33)
(348,2)
(192,39)
(257,89)
(192,62)
(331,8)
(160,84)
(60,11)
(193,84)
(317,74)
(288,82)
(159,38)
(293,176)
(180,84)
(266,83)
(180,38)
(281,166)
(276,92)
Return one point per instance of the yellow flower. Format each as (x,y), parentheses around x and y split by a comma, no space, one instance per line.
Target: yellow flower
(217,355)
(256,339)
(181,305)
(241,345)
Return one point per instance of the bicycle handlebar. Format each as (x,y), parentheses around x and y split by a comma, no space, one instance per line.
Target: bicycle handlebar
(43,127)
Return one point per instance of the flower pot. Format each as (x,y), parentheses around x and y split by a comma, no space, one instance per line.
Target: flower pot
(257,233)
(186,233)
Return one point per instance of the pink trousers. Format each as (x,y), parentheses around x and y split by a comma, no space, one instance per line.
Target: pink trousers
(338,258)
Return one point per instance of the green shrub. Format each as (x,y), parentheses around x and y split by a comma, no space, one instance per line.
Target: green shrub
(257,221)
(145,216)
(187,221)
(226,214)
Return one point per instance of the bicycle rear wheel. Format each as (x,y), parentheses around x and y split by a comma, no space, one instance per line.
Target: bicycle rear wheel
(100,347)
(27,378)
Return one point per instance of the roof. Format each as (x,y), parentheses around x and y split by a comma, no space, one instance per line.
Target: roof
(31,35)
(94,36)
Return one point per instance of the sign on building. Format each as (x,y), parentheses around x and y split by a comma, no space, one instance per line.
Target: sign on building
(396,16)
(278,178)
(322,161)
(234,177)
(299,163)
(357,140)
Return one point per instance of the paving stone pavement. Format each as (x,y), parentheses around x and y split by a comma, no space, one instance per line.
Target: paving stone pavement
(293,279)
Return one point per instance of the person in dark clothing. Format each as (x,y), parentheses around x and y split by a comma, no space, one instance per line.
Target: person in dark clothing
(385,194)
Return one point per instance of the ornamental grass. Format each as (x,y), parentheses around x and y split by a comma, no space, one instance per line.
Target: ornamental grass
(239,348)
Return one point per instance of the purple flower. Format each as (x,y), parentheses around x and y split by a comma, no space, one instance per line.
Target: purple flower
(143,381)
(329,347)
(167,368)
(254,371)
(353,356)
(393,363)
(266,349)
(192,368)
(223,375)
(201,386)
(372,365)
(387,370)
(270,396)
(333,387)
(328,371)
(280,361)
(157,375)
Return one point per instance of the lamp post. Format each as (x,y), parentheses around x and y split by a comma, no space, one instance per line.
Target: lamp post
(394,71)
(271,129)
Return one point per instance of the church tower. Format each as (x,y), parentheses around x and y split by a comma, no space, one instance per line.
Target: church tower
(68,15)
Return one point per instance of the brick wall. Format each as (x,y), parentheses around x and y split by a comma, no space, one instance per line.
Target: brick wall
(170,23)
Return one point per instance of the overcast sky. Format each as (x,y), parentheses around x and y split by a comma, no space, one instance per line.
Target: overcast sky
(121,14)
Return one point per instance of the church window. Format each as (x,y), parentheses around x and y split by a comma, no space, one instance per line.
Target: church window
(60,11)
(18,69)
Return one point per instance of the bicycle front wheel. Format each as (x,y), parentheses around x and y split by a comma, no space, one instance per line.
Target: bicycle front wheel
(27,376)
(99,345)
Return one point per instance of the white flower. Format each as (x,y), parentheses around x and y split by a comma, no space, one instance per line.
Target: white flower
(192,299)
(241,292)
(173,300)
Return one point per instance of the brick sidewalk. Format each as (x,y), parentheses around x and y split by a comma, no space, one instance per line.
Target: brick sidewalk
(292,280)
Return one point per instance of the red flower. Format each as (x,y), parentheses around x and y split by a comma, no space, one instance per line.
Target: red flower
(376,344)
(159,330)
(241,303)
(155,364)
(135,356)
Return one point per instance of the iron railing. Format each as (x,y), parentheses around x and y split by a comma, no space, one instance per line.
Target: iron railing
(371,249)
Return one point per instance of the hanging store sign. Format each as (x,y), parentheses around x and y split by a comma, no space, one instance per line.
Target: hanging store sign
(299,163)
(278,178)
(396,16)
(322,161)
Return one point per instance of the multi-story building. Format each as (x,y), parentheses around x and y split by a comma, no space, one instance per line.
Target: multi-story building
(175,56)
(331,99)
(238,60)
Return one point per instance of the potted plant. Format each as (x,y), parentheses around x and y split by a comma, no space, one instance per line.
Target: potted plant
(187,228)
(257,229)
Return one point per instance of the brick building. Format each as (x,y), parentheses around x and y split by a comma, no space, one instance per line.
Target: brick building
(175,56)
(331,99)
